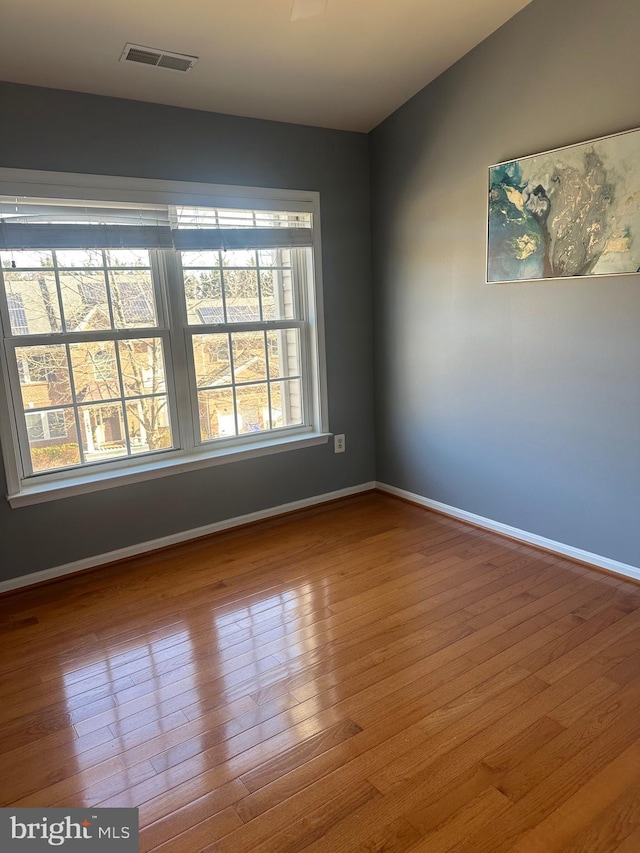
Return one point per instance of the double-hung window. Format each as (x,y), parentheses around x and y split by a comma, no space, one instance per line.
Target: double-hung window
(151,326)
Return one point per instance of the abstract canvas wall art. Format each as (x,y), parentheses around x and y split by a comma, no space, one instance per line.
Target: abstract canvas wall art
(574,211)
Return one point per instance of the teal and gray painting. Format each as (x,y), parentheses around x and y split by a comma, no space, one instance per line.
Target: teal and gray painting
(571,212)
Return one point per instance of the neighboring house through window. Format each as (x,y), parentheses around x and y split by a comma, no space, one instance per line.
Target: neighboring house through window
(42,426)
(17,314)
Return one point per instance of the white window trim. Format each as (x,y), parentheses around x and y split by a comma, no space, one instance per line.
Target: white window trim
(21,182)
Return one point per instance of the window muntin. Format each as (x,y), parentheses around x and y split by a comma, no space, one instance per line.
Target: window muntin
(96,303)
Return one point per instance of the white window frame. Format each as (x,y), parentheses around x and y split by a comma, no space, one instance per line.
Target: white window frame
(188,454)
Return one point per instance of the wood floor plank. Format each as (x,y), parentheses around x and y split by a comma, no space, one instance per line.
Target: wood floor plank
(296,795)
(363,765)
(626,671)
(177,741)
(299,834)
(363,676)
(179,819)
(199,836)
(580,815)
(585,731)
(475,814)
(397,837)
(584,700)
(299,788)
(299,754)
(553,789)
(631,844)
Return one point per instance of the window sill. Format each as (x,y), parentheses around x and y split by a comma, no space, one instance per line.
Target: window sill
(79,485)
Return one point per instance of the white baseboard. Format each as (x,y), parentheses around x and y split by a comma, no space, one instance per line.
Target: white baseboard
(515,533)
(194,533)
(176,538)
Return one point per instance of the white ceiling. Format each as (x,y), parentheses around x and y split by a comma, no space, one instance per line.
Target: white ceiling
(348,68)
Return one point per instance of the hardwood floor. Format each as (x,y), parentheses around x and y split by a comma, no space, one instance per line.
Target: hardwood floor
(365,676)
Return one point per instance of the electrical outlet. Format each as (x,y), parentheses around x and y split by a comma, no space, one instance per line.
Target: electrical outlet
(338,443)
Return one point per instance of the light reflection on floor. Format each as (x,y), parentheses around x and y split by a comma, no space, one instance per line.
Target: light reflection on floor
(175,706)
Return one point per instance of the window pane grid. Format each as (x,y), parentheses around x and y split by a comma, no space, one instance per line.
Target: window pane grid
(114,391)
(247,304)
(247,381)
(61,298)
(97,311)
(244,414)
(252,383)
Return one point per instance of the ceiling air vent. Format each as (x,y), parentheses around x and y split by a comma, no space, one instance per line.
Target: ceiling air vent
(159,58)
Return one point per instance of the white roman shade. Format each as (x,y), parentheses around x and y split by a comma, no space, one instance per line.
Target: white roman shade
(32,223)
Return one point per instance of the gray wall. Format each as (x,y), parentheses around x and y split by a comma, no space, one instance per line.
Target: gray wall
(64,131)
(521,402)
(517,402)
